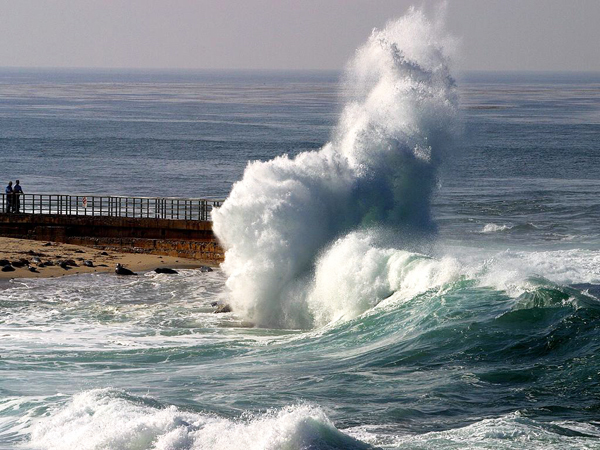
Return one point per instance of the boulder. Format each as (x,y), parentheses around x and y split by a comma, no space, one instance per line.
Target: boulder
(223,308)
(165,270)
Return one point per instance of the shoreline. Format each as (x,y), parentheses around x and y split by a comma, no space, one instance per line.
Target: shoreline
(45,258)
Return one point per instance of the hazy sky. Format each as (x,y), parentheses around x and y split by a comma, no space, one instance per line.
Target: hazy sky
(286,34)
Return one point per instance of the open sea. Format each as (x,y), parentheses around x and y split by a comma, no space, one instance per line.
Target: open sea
(357,325)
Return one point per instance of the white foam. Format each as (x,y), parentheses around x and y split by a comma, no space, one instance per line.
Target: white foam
(110,419)
(494,228)
(379,169)
(355,274)
(511,271)
(509,432)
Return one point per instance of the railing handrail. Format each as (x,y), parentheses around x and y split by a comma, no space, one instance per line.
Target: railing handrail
(110,205)
(210,199)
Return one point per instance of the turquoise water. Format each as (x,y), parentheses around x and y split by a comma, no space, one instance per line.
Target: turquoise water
(480,331)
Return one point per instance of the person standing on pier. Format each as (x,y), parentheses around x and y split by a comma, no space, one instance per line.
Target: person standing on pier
(17,192)
(9,197)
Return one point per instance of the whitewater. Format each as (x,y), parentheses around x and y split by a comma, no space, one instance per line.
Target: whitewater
(412,259)
(378,171)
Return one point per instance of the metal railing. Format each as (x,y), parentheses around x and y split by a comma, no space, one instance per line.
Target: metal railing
(110,206)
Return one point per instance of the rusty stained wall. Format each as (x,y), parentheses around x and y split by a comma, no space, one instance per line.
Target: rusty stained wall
(183,238)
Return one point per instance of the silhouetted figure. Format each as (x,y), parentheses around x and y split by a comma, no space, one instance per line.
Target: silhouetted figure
(9,197)
(17,192)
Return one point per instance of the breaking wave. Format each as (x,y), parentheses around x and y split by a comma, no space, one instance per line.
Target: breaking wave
(108,418)
(289,221)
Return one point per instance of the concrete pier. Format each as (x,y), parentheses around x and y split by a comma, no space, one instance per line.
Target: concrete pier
(154,235)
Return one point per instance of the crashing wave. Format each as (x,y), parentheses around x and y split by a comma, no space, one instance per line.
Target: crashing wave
(378,171)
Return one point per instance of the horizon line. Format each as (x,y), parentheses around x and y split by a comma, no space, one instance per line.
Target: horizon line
(264,70)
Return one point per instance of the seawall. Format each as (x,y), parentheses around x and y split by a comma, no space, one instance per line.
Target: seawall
(184,238)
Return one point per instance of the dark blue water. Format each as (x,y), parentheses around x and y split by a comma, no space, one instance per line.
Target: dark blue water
(529,138)
(491,343)
(156,134)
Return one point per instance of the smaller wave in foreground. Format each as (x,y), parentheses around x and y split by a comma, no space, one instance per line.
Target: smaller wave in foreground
(107,418)
(112,419)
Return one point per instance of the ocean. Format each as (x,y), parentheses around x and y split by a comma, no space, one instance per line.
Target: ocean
(414,258)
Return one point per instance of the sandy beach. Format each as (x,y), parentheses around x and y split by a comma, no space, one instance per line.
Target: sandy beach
(43,259)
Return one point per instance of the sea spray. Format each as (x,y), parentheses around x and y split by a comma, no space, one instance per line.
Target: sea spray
(377,172)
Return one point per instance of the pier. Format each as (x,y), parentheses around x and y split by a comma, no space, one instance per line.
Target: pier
(156,225)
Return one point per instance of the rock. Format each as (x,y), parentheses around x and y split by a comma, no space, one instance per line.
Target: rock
(47,244)
(205,269)
(224,308)
(120,270)
(8,268)
(88,263)
(4,262)
(165,270)
(78,251)
(104,253)
(102,265)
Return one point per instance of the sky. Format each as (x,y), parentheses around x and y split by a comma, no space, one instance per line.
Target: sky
(551,35)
